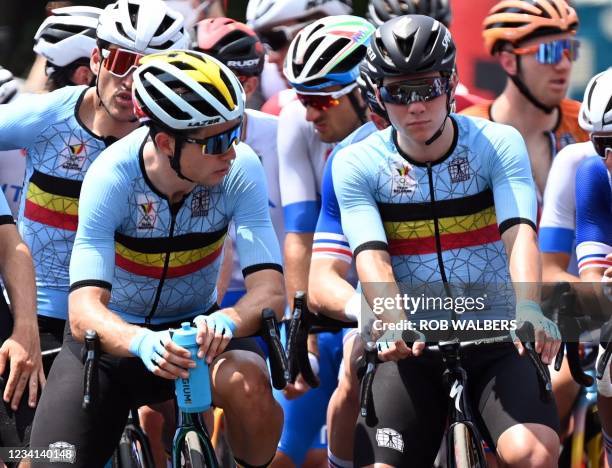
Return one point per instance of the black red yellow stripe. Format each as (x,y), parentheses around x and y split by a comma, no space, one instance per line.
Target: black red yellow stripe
(410,228)
(188,253)
(53,201)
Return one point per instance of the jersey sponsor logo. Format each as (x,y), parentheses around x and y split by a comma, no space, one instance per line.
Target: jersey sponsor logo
(390,438)
(200,203)
(73,161)
(459,169)
(402,181)
(147,214)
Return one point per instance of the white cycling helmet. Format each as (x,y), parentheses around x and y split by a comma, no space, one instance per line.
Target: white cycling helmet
(144,26)
(262,14)
(186,90)
(68,35)
(8,86)
(596,108)
(327,52)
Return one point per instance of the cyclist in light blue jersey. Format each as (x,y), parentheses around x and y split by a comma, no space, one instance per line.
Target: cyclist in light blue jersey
(64,131)
(441,198)
(154,213)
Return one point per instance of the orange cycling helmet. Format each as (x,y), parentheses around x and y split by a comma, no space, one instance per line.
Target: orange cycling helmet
(517,20)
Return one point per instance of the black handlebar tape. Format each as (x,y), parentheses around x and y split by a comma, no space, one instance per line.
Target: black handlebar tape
(278,358)
(295,324)
(371,360)
(90,376)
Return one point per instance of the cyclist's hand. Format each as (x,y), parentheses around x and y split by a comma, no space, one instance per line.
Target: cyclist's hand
(214,334)
(22,351)
(547,334)
(392,347)
(297,389)
(161,355)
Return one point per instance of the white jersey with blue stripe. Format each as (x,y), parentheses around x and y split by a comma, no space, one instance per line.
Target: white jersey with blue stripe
(558,223)
(593,214)
(302,156)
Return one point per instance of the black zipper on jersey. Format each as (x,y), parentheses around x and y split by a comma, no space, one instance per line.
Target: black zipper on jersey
(173,212)
(436,226)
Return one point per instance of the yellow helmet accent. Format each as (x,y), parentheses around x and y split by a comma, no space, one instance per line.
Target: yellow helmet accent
(186,89)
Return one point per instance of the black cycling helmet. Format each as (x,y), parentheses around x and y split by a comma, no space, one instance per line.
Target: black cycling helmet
(411,44)
(380,11)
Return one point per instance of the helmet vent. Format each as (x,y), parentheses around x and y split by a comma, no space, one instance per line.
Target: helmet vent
(406,46)
(164,25)
(133,12)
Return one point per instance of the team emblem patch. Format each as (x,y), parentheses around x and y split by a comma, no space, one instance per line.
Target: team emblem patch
(147,214)
(390,438)
(200,203)
(74,157)
(402,180)
(459,169)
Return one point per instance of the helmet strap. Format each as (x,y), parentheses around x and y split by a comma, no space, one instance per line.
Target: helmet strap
(525,91)
(438,134)
(175,161)
(359,110)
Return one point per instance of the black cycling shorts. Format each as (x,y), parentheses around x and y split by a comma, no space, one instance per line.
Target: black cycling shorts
(410,401)
(123,383)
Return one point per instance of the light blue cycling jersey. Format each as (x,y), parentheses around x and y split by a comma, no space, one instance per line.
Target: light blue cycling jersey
(593,214)
(329,239)
(161,262)
(441,222)
(59,151)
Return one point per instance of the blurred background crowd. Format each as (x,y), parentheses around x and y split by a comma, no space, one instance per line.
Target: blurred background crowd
(19,20)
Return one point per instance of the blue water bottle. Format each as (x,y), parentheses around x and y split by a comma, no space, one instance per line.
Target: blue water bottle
(193,393)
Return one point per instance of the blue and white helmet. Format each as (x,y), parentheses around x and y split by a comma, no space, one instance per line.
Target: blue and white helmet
(327,52)
(596,108)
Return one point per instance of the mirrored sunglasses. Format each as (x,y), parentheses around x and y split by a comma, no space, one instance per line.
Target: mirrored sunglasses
(219,143)
(551,53)
(120,62)
(326,100)
(422,90)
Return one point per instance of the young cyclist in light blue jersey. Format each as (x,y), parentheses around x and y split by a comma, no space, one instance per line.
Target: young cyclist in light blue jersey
(154,212)
(441,198)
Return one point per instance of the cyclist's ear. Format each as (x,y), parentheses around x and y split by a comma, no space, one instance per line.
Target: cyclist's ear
(508,62)
(164,143)
(95,61)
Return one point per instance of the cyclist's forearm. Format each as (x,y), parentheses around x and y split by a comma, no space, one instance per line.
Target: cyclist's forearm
(17,272)
(264,290)
(298,249)
(88,311)
(378,284)
(524,261)
(328,291)
(554,268)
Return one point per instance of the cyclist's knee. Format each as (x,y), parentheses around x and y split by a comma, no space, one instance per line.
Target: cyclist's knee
(241,380)
(529,445)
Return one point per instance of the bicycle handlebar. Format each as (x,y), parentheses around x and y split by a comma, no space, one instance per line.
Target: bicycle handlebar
(525,334)
(304,322)
(90,374)
(268,331)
